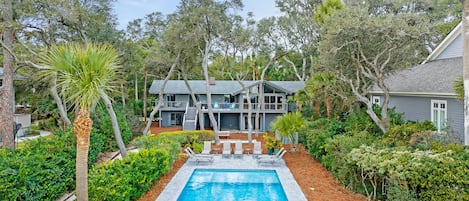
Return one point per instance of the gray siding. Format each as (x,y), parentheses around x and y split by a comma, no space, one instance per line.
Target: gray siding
(419,109)
(455,49)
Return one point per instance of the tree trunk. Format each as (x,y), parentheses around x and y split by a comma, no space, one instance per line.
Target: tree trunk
(329,107)
(115,124)
(82,127)
(136,86)
(465,32)
(209,94)
(122,95)
(194,99)
(7,94)
(58,102)
(160,96)
(145,95)
(248,98)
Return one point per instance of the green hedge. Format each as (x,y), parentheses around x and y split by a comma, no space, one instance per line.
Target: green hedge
(131,177)
(43,168)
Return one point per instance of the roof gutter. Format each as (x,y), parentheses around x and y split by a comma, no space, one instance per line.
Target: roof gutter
(419,94)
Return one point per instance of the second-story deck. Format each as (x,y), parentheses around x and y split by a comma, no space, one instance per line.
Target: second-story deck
(228,107)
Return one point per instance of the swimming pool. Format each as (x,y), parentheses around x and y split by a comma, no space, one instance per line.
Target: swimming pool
(225,184)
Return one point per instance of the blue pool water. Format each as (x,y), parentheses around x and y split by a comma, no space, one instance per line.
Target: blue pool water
(231,185)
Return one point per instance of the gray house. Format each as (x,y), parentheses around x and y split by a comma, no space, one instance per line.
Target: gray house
(425,92)
(229,102)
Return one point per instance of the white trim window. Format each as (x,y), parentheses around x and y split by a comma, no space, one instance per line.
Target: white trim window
(376,100)
(439,114)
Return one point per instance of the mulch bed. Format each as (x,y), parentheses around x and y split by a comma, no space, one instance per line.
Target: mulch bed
(315,181)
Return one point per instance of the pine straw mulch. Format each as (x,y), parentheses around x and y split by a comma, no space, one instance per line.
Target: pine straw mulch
(315,181)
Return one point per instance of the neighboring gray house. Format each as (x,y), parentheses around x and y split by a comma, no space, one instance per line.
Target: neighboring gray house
(229,102)
(425,92)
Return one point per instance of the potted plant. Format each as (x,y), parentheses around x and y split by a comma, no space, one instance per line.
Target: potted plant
(273,144)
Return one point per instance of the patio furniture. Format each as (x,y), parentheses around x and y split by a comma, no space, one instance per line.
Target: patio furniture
(257,149)
(238,152)
(271,160)
(272,156)
(226,149)
(198,157)
(225,134)
(207,147)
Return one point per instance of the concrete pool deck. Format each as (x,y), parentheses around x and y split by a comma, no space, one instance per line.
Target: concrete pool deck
(178,182)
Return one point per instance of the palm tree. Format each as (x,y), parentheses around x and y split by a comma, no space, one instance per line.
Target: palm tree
(84,74)
(289,124)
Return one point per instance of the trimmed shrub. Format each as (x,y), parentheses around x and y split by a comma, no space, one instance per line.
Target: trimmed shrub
(44,168)
(189,138)
(131,177)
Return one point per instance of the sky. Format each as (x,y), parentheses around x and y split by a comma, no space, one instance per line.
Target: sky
(128,10)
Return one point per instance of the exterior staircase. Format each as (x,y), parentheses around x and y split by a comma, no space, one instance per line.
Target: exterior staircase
(190,119)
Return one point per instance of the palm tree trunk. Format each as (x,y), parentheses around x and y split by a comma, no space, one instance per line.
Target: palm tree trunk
(465,30)
(82,127)
(115,124)
(6,91)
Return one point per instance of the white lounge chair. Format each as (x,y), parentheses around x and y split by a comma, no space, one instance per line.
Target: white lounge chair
(207,147)
(257,151)
(238,152)
(272,156)
(197,157)
(226,149)
(272,160)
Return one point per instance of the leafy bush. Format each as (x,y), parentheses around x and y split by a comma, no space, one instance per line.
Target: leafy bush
(408,133)
(129,178)
(44,168)
(188,138)
(432,176)
(171,144)
(321,131)
(102,122)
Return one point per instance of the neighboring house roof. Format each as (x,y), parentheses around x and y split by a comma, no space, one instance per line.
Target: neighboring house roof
(432,78)
(435,76)
(221,86)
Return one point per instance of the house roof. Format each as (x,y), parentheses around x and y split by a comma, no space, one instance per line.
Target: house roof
(432,78)
(445,43)
(221,86)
